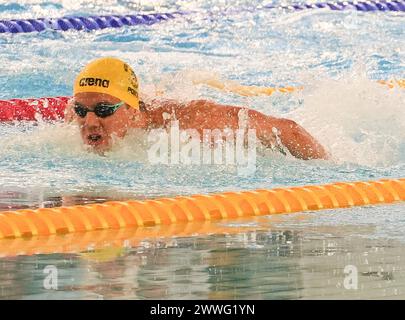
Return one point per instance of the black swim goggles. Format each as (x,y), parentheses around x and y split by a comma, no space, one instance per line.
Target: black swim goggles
(101,110)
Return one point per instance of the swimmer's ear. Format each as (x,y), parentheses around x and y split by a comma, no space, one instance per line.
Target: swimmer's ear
(142,106)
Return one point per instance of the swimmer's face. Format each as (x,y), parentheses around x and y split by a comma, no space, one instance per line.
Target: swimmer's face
(97,132)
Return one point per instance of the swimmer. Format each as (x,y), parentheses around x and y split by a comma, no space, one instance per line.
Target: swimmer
(106,104)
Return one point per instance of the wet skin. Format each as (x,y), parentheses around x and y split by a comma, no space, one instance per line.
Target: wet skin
(198,114)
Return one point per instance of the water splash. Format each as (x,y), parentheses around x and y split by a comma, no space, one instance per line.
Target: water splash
(357,119)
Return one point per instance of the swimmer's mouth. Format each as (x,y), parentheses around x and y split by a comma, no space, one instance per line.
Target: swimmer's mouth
(94,137)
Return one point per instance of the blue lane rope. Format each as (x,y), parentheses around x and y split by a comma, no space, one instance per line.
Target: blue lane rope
(117,21)
(84,23)
(381,5)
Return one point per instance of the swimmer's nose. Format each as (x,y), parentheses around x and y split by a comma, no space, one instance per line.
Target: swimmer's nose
(91,120)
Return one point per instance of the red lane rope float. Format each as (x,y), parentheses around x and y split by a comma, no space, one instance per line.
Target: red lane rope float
(33,109)
(197,208)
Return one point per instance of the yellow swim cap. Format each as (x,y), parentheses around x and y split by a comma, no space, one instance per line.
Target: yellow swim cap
(112,76)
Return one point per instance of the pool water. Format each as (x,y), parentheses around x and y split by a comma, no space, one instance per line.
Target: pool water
(336,56)
(297,256)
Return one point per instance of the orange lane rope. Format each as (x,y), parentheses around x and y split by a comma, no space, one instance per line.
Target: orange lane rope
(182,209)
(249,91)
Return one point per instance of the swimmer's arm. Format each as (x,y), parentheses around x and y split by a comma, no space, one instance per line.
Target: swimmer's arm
(295,138)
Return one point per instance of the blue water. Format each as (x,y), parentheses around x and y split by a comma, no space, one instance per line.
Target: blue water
(336,56)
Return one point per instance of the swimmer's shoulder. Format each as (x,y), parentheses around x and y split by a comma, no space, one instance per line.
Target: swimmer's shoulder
(162,104)
(212,106)
(197,105)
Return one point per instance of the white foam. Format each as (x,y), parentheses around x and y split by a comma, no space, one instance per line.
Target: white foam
(356,119)
(42,137)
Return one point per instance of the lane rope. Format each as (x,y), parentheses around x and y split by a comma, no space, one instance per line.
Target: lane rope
(365,6)
(87,23)
(198,208)
(48,109)
(90,23)
(250,91)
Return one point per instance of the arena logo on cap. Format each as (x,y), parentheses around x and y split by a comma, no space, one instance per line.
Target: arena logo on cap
(84,82)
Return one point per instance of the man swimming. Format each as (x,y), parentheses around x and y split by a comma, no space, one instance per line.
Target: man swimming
(106,104)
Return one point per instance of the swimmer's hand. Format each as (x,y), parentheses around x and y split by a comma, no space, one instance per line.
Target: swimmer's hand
(285,132)
(299,142)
